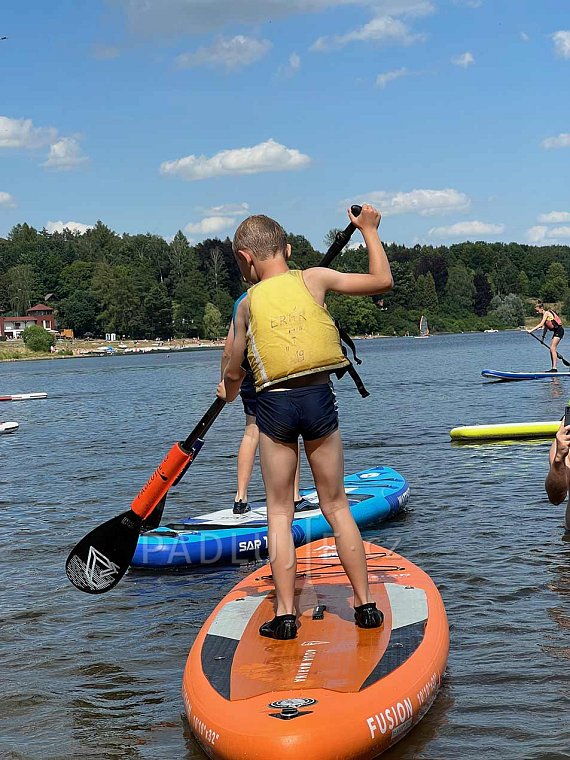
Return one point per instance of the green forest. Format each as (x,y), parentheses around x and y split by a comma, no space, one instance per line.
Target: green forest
(141,286)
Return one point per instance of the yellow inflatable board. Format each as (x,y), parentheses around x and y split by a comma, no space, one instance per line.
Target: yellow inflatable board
(505,430)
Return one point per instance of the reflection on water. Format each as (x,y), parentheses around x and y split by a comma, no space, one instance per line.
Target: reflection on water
(99,677)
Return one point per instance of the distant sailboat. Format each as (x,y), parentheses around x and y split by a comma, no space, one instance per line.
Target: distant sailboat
(424,329)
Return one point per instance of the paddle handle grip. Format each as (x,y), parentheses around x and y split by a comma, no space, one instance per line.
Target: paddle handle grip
(341,239)
(567,415)
(172,466)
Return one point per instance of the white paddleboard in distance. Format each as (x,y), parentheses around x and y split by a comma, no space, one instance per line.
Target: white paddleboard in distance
(8,427)
(23,396)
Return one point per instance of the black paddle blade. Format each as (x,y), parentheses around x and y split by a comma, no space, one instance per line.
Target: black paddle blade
(102,557)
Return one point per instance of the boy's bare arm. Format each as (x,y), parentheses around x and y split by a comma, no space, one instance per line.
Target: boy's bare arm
(379,278)
(227,352)
(234,372)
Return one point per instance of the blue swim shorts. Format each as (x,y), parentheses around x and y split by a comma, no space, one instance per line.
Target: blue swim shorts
(248,395)
(310,412)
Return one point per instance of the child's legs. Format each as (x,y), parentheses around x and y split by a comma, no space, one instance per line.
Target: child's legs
(278,465)
(246,457)
(553,345)
(326,459)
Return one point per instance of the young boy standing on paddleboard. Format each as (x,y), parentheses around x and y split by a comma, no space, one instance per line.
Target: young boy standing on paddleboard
(250,440)
(292,347)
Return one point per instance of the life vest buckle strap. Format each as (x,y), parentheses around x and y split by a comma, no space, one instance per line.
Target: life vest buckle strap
(356,379)
(345,338)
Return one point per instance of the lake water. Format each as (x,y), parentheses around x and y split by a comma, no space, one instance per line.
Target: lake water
(99,677)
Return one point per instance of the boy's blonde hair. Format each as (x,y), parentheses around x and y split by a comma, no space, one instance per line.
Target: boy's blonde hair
(260,234)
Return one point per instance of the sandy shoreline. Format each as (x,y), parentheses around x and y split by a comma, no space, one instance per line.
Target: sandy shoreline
(83,349)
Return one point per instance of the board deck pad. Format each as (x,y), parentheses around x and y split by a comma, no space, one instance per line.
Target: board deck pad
(342,662)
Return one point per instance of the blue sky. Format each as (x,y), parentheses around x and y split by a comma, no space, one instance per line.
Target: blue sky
(452,116)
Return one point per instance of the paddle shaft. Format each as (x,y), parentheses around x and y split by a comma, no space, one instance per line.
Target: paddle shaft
(562,359)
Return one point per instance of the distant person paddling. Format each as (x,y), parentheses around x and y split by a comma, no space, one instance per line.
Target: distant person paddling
(550,322)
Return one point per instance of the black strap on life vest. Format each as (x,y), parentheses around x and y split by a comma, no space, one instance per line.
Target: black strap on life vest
(357,380)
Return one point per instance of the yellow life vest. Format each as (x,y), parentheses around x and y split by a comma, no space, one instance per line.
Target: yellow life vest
(289,333)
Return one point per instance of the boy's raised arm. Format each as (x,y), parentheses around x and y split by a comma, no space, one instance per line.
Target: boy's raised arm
(379,278)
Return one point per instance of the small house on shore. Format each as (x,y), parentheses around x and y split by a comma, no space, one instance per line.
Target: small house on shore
(40,314)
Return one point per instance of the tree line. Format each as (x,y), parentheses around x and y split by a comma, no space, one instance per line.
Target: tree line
(141,286)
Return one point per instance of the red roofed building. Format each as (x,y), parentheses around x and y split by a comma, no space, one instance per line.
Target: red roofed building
(40,314)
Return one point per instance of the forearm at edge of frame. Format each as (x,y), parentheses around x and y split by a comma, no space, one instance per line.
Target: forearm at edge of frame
(556,484)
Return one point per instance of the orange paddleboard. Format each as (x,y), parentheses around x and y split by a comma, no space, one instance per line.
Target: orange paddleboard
(336,691)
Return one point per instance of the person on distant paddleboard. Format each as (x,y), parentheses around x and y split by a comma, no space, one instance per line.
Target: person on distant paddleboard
(550,322)
(293,345)
(250,440)
(558,477)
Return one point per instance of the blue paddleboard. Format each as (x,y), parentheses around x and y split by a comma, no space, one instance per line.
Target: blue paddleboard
(373,495)
(493,374)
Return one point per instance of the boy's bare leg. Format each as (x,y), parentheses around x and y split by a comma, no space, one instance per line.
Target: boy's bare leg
(326,459)
(278,464)
(246,457)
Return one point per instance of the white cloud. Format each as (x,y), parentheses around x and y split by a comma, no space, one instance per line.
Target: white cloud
(383,79)
(292,67)
(536,234)
(294,62)
(227,209)
(464,60)
(424,202)
(152,18)
(382,29)
(561,141)
(542,234)
(562,43)
(524,37)
(231,54)
(217,218)
(269,156)
(65,154)
(466,229)
(21,133)
(60,226)
(554,217)
(7,200)
(210,225)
